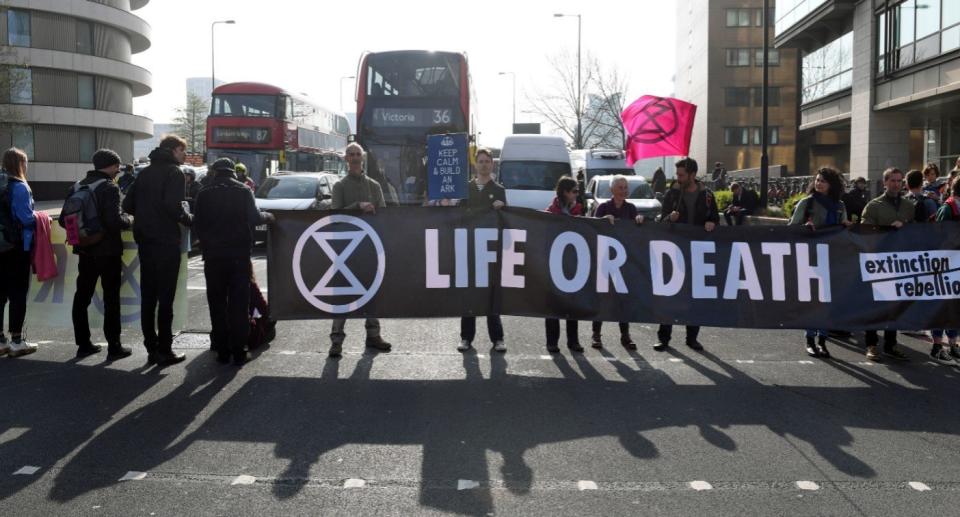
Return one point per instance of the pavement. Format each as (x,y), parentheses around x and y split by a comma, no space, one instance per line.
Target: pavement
(750,426)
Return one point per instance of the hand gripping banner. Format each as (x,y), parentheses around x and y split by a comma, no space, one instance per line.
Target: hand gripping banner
(450,262)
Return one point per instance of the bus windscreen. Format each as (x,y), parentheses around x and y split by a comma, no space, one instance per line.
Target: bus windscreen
(413,75)
(237,105)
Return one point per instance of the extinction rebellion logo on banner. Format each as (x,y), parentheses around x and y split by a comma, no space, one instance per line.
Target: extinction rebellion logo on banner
(324,250)
(920,275)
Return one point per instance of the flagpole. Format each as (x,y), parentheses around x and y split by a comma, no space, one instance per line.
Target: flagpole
(765,130)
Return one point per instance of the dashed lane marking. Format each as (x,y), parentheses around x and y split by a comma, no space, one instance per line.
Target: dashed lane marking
(918,486)
(133,475)
(27,470)
(700,485)
(354,483)
(243,480)
(584,484)
(467,484)
(807,485)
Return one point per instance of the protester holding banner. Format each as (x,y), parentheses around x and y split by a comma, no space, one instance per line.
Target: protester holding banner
(156,200)
(484,194)
(18,221)
(225,218)
(925,202)
(101,260)
(616,208)
(821,208)
(949,211)
(889,210)
(357,191)
(566,203)
(688,201)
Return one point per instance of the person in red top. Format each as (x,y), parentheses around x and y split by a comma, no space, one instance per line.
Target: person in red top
(566,203)
(617,208)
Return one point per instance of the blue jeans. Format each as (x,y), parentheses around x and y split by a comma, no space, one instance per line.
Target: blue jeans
(937,335)
(816,333)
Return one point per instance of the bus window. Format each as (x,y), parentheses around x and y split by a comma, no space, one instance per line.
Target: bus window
(414,75)
(235,105)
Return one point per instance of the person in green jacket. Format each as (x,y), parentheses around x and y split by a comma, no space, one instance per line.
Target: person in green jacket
(892,210)
(821,208)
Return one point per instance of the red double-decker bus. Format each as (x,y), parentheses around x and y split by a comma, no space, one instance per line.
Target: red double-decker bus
(268,129)
(403,96)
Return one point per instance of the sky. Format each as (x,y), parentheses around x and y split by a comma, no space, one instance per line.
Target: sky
(307,46)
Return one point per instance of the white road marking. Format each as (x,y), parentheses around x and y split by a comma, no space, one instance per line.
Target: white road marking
(466,484)
(133,475)
(675,360)
(918,486)
(243,480)
(807,485)
(545,357)
(586,485)
(804,362)
(354,483)
(700,485)
(26,470)
(288,352)
(745,361)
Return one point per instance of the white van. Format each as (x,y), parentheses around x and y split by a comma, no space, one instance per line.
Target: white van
(600,162)
(530,166)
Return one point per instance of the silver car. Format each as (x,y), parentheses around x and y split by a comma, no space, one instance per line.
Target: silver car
(641,195)
(294,191)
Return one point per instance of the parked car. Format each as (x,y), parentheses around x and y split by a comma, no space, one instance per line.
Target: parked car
(294,191)
(641,195)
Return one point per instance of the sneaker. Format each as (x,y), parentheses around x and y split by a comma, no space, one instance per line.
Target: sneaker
(575,346)
(378,343)
(499,346)
(336,350)
(20,347)
(695,345)
(938,354)
(86,351)
(661,345)
(955,351)
(893,353)
(822,347)
(873,354)
(596,341)
(464,345)
(812,348)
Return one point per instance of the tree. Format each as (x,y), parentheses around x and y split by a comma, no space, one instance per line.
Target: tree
(602,94)
(607,103)
(191,122)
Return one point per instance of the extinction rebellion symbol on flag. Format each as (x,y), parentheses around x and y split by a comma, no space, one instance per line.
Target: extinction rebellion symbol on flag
(321,293)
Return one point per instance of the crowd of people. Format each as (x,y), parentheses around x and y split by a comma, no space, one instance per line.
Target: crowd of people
(222,213)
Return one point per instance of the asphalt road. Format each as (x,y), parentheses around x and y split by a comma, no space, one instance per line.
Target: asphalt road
(751,426)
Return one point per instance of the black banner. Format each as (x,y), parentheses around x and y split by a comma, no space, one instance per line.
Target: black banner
(445,262)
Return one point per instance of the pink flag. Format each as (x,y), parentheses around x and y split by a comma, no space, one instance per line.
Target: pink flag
(658,126)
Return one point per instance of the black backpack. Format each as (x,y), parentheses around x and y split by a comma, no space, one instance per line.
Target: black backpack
(80,209)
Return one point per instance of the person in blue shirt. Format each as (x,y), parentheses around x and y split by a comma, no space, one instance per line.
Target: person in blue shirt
(17,206)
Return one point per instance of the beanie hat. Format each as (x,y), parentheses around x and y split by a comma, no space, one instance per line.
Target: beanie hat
(241,167)
(223,164)
(105,158)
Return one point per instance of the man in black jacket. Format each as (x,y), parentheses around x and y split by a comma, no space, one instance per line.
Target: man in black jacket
(156,200)
(101,260)
(225,218)
(744,203)
(687,201)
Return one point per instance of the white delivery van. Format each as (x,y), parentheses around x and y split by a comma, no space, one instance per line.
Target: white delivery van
(603,162)
(530,166)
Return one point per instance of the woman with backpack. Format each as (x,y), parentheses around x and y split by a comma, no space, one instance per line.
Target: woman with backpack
(19,224)
(821,208)
(949,211)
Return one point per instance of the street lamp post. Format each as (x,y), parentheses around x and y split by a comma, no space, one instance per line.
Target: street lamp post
(213,68)
(341,88)
(765,125)
(513,77)
(579,139)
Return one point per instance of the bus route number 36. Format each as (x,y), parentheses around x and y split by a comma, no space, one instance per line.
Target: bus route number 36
(441,116)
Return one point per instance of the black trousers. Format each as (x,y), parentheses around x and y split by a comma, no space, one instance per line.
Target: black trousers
(159,269)
(108,270)
(14,284)
(872,337)
(553,331)
(665,332)
(468,328)
(228,297)
(624,327)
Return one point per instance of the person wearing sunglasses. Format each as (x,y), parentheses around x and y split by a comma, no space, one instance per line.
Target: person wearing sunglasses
(566,203)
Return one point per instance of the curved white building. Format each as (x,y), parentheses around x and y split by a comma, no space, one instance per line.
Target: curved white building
(73,84)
